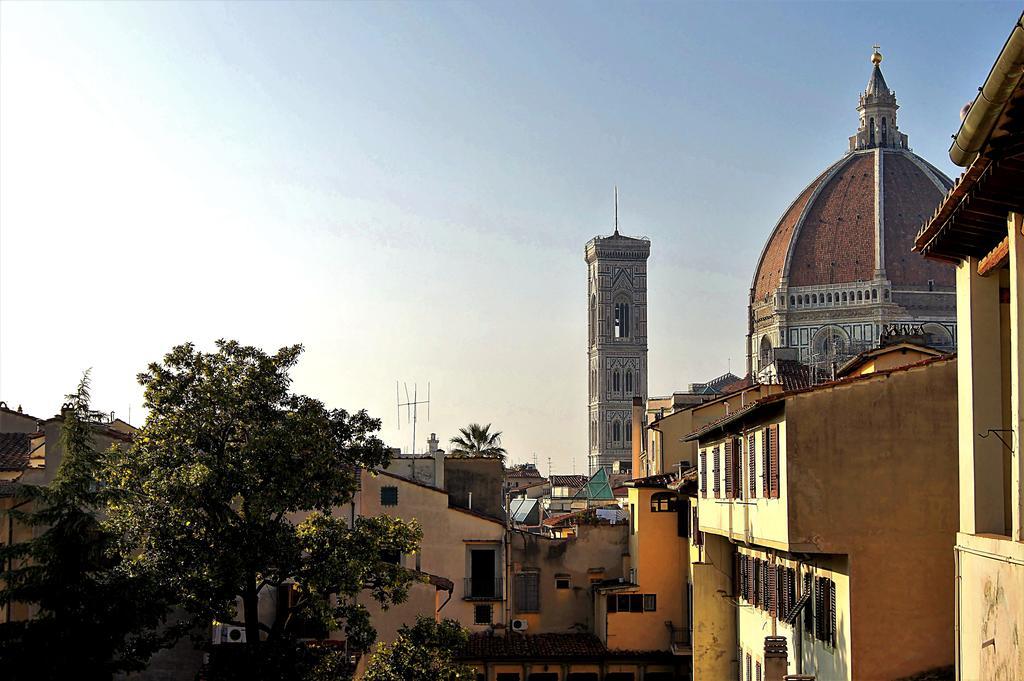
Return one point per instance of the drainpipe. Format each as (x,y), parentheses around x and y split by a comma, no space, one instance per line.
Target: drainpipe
(956,619)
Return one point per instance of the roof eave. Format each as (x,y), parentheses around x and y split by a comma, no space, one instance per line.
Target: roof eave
(1004,77)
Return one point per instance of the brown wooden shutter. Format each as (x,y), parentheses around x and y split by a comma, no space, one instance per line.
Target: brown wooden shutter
(808,609)
(698,536)
(752,463)
(737,576)
(773,591)
(756,600)
(750,664)
(766,433)
(703,474)
(819,609)
(832,612)
(716,469)
(775,461)
(728,470)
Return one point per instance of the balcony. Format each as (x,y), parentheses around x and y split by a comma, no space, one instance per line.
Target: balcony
(482,589)
(679,639)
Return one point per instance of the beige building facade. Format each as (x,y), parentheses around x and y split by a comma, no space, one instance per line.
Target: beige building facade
(979,227)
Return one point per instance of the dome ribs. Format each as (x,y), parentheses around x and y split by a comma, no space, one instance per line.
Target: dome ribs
(833,233)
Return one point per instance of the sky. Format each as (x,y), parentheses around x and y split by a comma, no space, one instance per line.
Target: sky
(406,188)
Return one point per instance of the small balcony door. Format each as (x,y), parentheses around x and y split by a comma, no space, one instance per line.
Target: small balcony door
(483,566)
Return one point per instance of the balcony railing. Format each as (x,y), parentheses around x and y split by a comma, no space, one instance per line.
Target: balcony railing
(482,589)
(679,639)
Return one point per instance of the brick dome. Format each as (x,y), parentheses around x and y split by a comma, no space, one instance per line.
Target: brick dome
(854,221)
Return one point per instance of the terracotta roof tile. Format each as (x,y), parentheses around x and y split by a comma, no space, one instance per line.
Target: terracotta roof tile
(568,480)
(904,211)
(14,450)
(482,646)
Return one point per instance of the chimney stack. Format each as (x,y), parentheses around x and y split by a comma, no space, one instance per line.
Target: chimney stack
(638,436)
(438,456)
(775,658)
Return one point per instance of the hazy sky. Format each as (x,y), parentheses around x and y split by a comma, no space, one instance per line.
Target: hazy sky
(406,188)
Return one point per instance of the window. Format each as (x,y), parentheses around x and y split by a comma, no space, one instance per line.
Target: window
(616,431)
(825,610)
(622,319)
(632,519)
(629,381)
(885,131)
(632,603)
(629,430)
(715,477)
(860,296)
(527,591)
(828,298)
(593,318)
(563,582)
(750,664)
(792,300)
(389,496)
(871,140)
(542,676)
(663,502)
(482,614)
(757,667)
(683,519)
(508,676)
(392,556)
(616,382)
(874,294)
(704,473)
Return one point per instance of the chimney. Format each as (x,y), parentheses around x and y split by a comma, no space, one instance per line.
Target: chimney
(438,456)
(775,658)
(638,434)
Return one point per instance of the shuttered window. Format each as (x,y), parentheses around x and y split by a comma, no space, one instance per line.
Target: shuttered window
(704,473)
(716,478)
(756,600)
(752,465)
(729,480)
(528,591)
(825,610)
(765,461)
(737,578)
(808,609)
(683,518)
(750,665)
(757,672)
(738,468)
(774,456)
(772,589)
(832,612)
(698,536)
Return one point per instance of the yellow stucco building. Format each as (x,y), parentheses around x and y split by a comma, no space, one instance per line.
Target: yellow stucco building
(823,519)
(979,226)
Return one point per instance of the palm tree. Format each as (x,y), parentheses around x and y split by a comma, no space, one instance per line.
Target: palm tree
(477,440)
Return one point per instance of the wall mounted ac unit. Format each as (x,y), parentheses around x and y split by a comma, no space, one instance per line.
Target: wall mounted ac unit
(520,625)
(227,633)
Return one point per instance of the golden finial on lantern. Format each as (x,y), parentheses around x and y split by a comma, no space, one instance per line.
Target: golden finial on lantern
(876,56)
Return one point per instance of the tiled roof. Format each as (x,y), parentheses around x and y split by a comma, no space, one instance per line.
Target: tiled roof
(575,481)
(777,397)
(904,212)
(482,646)
(523,473)
(14,449)
(661,480)
(793,374)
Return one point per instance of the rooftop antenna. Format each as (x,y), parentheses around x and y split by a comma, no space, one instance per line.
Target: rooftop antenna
(411,405)
(549,468)
(616,209)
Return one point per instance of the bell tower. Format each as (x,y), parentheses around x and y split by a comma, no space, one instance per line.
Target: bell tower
(616,342)
(877,109)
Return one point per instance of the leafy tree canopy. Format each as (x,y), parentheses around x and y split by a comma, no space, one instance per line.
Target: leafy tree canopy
(232,486)
(477,440)
(422,652)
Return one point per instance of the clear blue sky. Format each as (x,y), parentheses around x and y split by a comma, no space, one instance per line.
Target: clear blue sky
(406,188)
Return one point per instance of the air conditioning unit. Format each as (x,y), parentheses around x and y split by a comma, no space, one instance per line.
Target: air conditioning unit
(228,633)
(520,625)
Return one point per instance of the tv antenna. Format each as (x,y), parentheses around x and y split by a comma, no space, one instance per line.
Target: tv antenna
(411,405)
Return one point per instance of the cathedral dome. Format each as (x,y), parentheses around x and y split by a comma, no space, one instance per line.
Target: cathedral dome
(837,270)
(857,220)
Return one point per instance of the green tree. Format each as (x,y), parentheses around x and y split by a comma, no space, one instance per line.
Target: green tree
(96,613)
(477,440)
(422,652)
(229,489)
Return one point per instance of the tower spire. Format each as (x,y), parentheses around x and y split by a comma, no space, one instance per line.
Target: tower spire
(877,112)
(616,210)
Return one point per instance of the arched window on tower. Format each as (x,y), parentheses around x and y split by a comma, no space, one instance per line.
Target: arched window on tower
(622,319)
(871,131)
(616,431)
(765,353)
(829,298)
(629,430)
(860,296)
(616,381)
(792,301)
(593,318)
(885,131)
(629,381)
(874,294)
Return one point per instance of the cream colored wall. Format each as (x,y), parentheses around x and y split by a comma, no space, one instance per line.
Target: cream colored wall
(756,519)
(596,547)
(990,617)
(714,609)
(447,534)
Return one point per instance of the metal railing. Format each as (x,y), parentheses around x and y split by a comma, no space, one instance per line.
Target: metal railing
(482,589)
(679,638)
